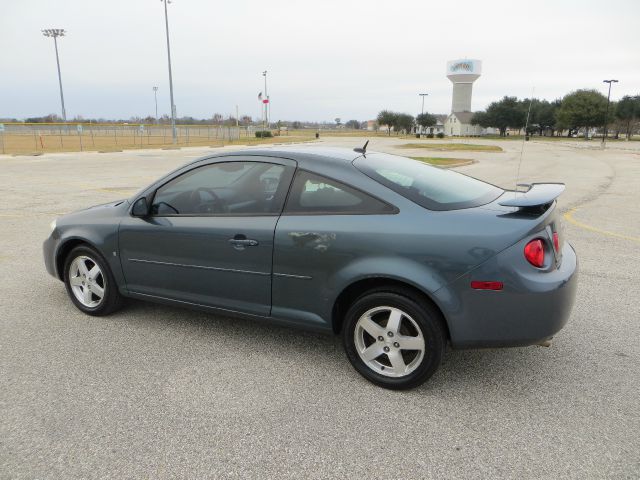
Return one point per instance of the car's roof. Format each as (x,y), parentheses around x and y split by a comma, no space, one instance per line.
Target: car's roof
(306,156)
(300,153)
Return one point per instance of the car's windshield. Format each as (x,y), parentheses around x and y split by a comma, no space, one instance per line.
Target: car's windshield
(431,187)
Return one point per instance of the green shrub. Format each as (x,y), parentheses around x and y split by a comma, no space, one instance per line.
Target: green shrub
(264,134)
(429,135)
(440,135)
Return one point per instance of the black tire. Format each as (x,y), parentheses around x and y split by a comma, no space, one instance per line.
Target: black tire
(111,300)
(428,320)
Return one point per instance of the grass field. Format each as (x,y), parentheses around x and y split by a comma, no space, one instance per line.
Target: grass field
(32,139)
(450,147)
(445,162)
(30,144)
(361,133)
(598,138)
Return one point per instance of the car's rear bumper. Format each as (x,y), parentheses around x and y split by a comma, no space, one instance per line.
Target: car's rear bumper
(532,307)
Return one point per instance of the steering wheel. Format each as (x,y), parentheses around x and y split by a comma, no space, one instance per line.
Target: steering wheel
(209,206)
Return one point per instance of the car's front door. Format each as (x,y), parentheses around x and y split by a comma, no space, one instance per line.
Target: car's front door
(209,237)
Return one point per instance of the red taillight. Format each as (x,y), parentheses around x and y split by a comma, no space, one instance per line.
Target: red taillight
(556,241)
(534,252)
(485,285)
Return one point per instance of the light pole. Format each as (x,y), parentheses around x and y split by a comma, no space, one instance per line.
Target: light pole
(155,96)
(266,100)
(606,115)
(55,33)
(173,107)
(422,95)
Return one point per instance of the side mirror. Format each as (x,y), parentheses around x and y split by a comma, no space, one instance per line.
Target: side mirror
(140,208)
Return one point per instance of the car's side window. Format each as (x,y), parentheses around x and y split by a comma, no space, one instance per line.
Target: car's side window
(315,194)
(226,188)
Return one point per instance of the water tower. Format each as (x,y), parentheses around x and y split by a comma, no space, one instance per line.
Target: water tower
(462,74)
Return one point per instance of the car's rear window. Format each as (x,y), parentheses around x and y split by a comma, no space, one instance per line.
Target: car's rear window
(430,187)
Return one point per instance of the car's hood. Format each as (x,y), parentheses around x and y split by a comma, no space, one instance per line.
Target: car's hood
(107,205)
(86,215)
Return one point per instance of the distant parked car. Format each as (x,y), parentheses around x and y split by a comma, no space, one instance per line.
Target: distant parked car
(398,257)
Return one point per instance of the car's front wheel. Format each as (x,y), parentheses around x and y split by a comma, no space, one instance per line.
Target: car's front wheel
(392,339)
(90,283)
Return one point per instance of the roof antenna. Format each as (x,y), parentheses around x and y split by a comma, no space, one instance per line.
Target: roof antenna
(362,150)
(526,127)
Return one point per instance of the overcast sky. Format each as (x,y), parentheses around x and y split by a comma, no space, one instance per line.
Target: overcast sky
(325,59)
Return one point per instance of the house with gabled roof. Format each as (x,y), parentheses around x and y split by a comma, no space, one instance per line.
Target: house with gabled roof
(458,124)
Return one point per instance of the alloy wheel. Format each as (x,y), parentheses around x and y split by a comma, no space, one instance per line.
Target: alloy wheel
(87,281)
(389,341)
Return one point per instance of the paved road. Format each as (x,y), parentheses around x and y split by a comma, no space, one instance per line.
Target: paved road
(157,392)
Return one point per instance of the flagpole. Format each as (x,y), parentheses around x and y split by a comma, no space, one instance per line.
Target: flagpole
(266,95)
(262,108)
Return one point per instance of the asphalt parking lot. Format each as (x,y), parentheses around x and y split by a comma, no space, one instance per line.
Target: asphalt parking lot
(157,392)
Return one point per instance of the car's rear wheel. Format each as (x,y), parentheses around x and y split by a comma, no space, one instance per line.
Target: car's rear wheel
(393,340)
(90,283)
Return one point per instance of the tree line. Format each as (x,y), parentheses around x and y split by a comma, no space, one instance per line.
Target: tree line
(403,122)
(217,119)
(578,110)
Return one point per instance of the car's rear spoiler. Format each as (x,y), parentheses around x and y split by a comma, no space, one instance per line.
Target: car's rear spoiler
(538,194)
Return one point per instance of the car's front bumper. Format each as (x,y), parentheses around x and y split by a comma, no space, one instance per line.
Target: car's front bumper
(532,307)
(49,248)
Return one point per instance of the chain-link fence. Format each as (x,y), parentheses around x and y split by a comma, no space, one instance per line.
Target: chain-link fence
(69,137)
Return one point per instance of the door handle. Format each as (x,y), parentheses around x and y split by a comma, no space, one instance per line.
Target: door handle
(244,242)
(241,241)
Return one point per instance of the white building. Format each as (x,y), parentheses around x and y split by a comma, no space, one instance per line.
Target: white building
(458,124)
(434,130)
(372,125)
